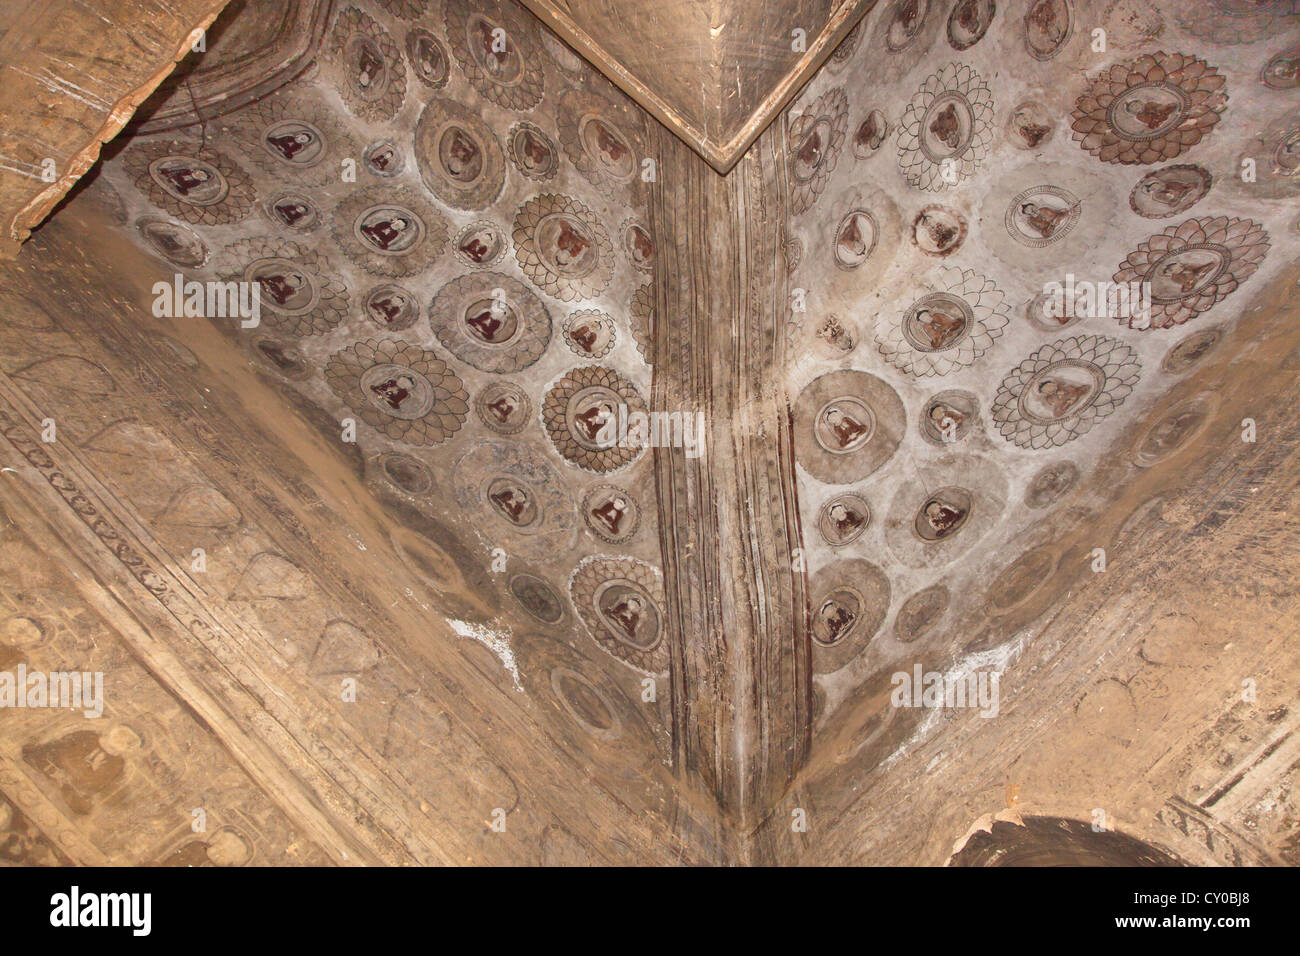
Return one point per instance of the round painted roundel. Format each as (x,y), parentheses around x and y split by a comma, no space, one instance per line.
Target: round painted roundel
(947,328)
(401,390)
(943,513)
(816,136)
(906,20)
(203,187)
(391,307)
(843,518)
(1191,267)
(190,180)
(611,513)
(497,48)
(1150,109)
(946,129)
(601,139)
(299,142)
(855,239)
(850,599)
(582,414)
(1042,215)
(510,489)
(173,242)
(297,287)
(532,151)
(481,243)
(393,233)
(294,142)
(1168,191)
(428,59)
(562,247)
(373,82)
(491,321)
(503,407)
(847,424)
(620,600)
(407,473)
(459,157)
(1060,391)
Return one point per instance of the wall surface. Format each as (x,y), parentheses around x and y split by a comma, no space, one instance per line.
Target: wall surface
(282,647)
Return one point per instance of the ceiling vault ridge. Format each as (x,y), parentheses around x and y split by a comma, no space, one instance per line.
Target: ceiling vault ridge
(747,61)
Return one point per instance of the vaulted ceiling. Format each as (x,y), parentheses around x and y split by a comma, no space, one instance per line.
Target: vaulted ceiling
(478,231)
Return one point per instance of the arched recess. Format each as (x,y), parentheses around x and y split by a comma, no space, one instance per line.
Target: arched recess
(1055,841)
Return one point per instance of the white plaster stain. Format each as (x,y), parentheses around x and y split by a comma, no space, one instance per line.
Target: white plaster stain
(498,642)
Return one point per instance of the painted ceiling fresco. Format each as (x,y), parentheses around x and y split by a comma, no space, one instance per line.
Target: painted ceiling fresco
(949,164)
(455,265)
(1013,234)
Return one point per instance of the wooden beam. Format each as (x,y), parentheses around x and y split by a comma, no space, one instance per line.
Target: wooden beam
(71,75)
(730,534)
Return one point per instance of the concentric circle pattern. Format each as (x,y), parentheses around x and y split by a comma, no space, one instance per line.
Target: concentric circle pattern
(490,321)
(401,390)
(1063,389)
(1150,109)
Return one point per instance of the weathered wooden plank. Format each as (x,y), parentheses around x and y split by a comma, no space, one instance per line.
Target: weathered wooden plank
(71,76)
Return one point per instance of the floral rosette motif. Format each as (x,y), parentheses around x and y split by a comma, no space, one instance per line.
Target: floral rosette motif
(581,414)
(816,136)
(562,247)
(405,9)
(532,152)
(946,129)
(948,327)
(294,139)
(638,245)
(389,232)
(619,600)
(590,333)
(403,391)
(1148,110)
(299,292)
(203,187)
(490,321)
(498,49)
(642,321)
(602,139)
(373,75)
(1063,389)
(460,158)
(512,489)
(1192,267)
(429,59)
(1238,21)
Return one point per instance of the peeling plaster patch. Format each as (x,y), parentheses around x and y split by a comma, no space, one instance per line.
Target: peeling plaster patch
(498,642)
(997,659)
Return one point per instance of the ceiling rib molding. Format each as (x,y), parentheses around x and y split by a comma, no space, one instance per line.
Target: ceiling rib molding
(728,116)
(204,87)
